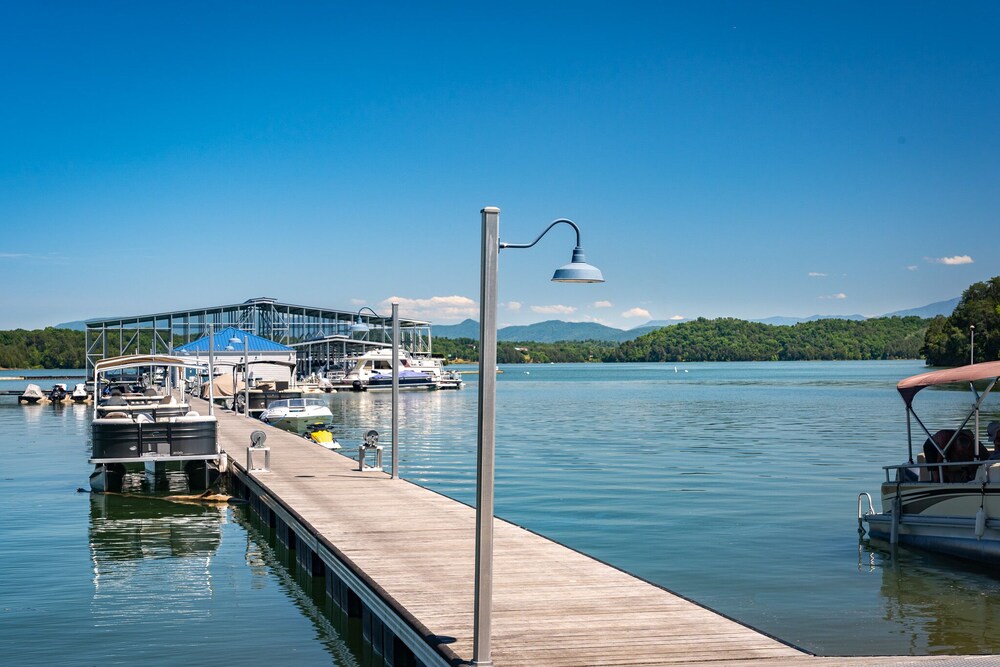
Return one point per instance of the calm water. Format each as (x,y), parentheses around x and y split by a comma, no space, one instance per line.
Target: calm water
(732,484)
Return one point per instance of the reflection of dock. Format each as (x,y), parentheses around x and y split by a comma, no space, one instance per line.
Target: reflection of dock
(151,558)
(401,557)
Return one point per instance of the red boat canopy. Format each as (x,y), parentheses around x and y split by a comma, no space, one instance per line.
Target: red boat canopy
(909,387)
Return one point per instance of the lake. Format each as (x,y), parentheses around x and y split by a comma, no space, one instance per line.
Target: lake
(734,484)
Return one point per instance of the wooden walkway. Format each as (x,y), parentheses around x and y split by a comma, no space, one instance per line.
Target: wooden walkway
(408,554)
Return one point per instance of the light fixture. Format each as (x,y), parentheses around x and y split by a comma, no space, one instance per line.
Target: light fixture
(359,325)
(577,271)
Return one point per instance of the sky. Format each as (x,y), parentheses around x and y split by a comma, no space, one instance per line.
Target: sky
(722,159)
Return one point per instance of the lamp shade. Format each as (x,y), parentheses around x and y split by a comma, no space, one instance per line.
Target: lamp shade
(359,326)
(578,271)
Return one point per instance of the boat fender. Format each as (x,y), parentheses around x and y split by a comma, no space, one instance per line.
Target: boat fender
(980,523)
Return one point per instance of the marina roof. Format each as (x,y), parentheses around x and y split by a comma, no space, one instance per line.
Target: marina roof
(222,342)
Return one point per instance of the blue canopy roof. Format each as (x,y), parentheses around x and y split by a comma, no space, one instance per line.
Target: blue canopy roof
(223,339)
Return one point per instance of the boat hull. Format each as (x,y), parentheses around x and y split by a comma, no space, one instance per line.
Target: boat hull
(941,518)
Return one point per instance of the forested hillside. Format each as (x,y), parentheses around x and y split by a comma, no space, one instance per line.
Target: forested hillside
(725,339)
(730,339)
(948,338)
(42,348)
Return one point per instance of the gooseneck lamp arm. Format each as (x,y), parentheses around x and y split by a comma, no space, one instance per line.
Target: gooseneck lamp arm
(554,223)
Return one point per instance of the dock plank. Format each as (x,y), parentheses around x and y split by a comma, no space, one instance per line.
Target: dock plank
(552,605)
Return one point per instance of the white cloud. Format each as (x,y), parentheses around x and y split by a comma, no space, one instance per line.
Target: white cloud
(816,274)
(603,304)
(513,305)
(950,261)
(358,302)
(838,295)
(677,317)
(553,310)
(637,312)
(434,309)
(911,267)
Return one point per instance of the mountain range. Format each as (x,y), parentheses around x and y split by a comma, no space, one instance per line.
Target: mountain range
(552,331)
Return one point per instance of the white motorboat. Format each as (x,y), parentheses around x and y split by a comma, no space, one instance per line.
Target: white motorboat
(150,432)
(296,414)
(373,370)
(945,498)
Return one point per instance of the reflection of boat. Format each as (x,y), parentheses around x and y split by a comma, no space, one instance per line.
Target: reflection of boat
(31,395)
(294,414)
(961,515)
(949,610)
(137,544)
(145,435)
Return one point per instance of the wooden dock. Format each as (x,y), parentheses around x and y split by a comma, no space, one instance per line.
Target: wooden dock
(402,556)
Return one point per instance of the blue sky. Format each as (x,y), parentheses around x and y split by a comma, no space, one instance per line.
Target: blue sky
(722,159)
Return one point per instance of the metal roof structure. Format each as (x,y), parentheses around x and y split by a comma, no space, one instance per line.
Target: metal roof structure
(264,317)
(223,340)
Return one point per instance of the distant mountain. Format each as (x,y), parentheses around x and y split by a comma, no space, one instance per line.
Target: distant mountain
(659,324)
(778,320)
(79,325)
(929,311)
(543,332)
(465,329)
(557,330)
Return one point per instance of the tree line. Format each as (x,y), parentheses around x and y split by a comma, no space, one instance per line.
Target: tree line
(949,340)
(724,339)
(43,348)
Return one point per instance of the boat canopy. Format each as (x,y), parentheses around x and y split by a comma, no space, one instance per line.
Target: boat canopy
(140,360)
(909,387)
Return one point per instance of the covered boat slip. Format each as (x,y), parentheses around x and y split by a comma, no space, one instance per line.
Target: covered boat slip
(407,553)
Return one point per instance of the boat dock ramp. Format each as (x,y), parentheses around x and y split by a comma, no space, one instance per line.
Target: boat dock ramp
(401,557)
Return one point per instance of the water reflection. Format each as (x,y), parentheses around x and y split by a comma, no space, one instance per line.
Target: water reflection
(945,606)
(151,558)
(308,595)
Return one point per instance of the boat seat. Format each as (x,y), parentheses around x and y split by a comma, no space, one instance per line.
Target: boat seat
(993,473)
(116,415)
(192,413)
(195,418)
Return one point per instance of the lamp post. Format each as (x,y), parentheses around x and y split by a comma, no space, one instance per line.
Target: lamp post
(972,343)
(577,271)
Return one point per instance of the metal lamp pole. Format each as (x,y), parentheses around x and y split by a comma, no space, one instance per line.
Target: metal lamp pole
(395,390)
(246,376)
(577,271)
(972,343)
